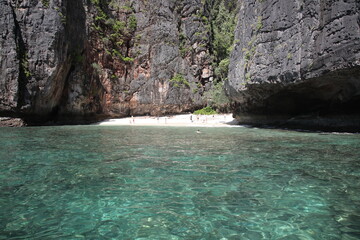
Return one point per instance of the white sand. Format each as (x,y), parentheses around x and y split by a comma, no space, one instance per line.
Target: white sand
(219,120)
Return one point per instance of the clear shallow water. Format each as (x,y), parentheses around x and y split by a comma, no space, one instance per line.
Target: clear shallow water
(90,182)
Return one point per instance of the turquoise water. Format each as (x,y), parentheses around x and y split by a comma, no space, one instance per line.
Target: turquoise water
(91,182)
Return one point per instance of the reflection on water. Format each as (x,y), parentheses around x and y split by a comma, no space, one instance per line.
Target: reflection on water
(92,182)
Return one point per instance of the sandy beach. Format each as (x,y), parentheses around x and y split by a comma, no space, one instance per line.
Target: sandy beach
(185,120)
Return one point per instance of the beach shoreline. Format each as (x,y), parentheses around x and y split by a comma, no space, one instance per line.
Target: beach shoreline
(182,120)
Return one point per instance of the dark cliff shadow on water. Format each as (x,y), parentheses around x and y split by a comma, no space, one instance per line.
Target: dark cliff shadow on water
(307,126)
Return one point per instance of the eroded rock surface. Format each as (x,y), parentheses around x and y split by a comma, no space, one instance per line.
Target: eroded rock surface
(170,40)
(9,61)
(11,122)
(35,57)
(296,58)
(63,60)
(79,59)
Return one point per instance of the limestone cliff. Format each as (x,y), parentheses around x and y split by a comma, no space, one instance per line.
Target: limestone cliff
(78,59)
(35,54)
(297,59)
(90,59)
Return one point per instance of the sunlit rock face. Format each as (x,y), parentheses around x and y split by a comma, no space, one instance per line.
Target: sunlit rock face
(84,59)
(297,58)
(168,40)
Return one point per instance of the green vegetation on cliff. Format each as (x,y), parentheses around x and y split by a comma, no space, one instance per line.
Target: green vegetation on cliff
(210,38)
(222,22)
(178,80)
(116,30)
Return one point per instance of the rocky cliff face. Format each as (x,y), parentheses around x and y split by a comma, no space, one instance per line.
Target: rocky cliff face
(34,58)
(296,58)
(90,58)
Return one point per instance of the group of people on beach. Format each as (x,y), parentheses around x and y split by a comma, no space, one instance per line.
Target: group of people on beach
(198,119)
(203,119)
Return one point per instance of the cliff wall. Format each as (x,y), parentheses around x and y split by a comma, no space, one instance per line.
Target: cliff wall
(296,60)
(63,60)
(80,59)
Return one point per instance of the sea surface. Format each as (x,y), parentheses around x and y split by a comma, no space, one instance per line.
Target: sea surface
(96,182)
